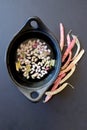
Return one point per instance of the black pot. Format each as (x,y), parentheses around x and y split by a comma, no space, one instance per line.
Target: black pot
(34,28)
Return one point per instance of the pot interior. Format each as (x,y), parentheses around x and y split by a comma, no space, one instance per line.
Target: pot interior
(17,77)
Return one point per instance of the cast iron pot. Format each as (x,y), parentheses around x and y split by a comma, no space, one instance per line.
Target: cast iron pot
(34,28)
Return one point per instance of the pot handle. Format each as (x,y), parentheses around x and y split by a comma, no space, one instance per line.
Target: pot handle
(35,23)
(33,95)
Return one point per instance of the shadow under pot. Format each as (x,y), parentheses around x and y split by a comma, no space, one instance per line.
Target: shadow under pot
(33,59)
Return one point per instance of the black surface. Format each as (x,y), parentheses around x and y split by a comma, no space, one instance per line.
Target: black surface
(67,110)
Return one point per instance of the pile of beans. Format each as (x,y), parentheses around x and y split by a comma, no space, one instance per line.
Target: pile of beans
(34,59)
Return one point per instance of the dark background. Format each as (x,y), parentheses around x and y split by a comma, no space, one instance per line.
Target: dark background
(67,110)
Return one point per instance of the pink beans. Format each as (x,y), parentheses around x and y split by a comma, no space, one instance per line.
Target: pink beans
(69,49)
(68,63)
(61,36)
(56,83)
